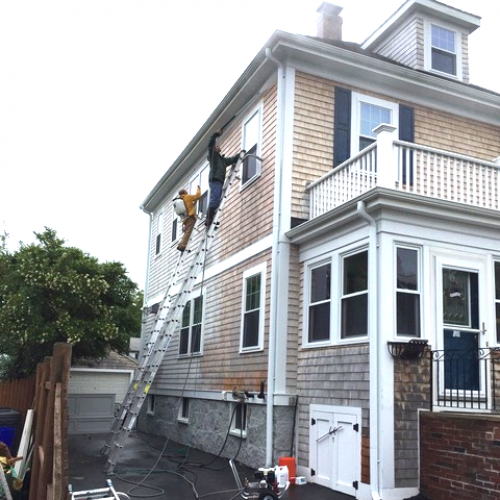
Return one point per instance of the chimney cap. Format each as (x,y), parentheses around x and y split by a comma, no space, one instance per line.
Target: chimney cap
(329,9)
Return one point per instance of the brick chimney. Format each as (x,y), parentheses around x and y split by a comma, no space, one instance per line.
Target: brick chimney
(329,22)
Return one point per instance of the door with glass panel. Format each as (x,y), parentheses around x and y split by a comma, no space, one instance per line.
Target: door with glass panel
(460,300)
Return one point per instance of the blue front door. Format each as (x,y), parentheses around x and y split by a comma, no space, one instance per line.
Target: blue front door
(461,330)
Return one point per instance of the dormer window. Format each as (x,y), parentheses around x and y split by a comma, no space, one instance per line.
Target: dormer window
(443,50)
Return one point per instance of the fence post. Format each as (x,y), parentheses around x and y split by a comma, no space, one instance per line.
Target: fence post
(387,166)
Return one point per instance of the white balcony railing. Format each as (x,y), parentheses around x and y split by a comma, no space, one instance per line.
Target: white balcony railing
(410,168)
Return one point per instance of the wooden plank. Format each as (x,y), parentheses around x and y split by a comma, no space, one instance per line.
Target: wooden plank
(57,465)
(24,444)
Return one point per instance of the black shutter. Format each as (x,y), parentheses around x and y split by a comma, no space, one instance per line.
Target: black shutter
(407,134)
(342,126)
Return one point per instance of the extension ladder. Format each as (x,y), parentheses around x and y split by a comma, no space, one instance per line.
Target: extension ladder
(165,323)
(108,493)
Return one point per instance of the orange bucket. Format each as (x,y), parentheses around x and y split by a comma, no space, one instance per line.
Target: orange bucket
(290,463)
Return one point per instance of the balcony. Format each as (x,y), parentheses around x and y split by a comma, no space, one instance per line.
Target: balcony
(466,379)
(409,168)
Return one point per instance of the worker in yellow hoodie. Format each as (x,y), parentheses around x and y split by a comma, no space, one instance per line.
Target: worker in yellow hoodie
(189,220)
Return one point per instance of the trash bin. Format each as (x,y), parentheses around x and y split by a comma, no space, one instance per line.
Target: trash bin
(10,434)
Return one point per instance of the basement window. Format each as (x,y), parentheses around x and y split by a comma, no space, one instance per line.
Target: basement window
(239,420)
(183,415)
(150,404)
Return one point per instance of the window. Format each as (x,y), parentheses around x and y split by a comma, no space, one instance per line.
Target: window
(175,225)
(159,228)
(184,410)
(190,336)
(251,144)
(443,50)
(239,420)
(367,114)
(354,301)
(150,404)
(407,292)
(497,298)
(252,326)
(319,303)
(201,180)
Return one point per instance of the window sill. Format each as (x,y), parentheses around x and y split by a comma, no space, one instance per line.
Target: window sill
(249,350)
(251,181)
(190,355)
(182,420)
(238,433)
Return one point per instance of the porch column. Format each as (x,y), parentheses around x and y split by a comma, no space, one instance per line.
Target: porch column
(387,166)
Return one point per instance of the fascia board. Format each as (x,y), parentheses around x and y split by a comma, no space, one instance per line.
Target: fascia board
(469,22)
(378,199)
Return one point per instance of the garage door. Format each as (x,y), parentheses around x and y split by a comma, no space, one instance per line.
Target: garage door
(85,381)
(90,413)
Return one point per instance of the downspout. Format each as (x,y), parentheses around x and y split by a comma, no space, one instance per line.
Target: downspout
(375,467)
(273,326)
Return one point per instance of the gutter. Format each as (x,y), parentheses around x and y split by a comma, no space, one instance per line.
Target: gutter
(275,253)
(375,465)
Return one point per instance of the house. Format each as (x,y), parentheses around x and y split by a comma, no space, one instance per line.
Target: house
(356,254)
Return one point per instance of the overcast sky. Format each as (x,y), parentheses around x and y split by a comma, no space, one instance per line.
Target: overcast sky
(98,98)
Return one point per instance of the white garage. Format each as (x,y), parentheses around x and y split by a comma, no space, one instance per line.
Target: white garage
(95,391)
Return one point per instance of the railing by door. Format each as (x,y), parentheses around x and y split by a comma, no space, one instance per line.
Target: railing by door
(466,379)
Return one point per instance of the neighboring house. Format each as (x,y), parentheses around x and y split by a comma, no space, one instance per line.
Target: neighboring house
(95,389)
(372,221)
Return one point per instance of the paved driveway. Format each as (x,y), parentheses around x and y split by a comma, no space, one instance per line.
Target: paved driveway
(179,474)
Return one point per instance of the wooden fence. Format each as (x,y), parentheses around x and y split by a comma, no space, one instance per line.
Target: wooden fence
(18,395)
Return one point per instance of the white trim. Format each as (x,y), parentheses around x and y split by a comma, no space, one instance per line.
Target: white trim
(340,286)
(257,110)
(418,291)
(310,267)
(192,297)
(356,100)
(428,24)
(261,270)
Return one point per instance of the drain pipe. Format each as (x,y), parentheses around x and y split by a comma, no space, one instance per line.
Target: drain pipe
(375,468)
(275,255)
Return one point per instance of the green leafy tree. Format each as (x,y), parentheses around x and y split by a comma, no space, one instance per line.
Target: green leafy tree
(51,293)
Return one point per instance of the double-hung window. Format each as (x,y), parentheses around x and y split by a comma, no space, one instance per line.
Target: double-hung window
(159,229)
(254,282)
(175,226)
(251,144)
(408,291)
(319,303)
(201,179)
(367,114)
(443,50)
(190,336)
(354,300)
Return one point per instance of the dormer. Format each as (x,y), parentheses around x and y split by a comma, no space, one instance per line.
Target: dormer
(429,36)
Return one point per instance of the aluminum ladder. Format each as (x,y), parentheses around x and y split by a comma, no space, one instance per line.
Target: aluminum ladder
(107,493)
(165,324)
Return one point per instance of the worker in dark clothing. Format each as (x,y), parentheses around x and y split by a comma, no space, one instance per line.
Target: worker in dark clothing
(217,176)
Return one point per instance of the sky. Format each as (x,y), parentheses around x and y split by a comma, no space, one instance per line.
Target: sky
(99,97)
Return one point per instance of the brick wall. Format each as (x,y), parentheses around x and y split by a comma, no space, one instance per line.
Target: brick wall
(460,456)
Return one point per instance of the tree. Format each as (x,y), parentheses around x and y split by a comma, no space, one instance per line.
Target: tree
(51,293)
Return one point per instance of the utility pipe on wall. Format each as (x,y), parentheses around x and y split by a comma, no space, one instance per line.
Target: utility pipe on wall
(375,466)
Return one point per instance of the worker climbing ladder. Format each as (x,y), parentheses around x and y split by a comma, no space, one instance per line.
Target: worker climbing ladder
(165,324)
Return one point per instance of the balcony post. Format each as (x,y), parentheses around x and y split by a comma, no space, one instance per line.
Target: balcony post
(387,166)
